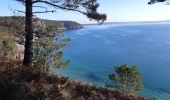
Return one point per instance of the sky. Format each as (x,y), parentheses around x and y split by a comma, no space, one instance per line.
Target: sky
(116,11)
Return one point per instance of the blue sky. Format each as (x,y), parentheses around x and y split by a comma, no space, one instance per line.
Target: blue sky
(116,10)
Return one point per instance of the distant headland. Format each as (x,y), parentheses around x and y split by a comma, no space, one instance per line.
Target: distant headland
(64,24)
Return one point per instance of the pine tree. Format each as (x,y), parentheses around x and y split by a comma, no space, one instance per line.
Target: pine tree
(86,7)
(126,79)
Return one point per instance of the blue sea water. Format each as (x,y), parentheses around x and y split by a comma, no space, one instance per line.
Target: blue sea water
(96,49)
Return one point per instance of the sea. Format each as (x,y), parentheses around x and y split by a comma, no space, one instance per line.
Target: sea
(95,49)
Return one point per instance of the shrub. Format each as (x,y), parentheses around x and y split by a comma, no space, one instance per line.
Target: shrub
(7,45)
(126,79)
(47,53)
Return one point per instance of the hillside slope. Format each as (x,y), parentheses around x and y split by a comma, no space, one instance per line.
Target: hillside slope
(58,24)
(21,83)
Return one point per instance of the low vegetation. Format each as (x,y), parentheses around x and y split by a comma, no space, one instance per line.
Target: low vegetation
(47,53)
(7,43)
(21,83)
(126,79)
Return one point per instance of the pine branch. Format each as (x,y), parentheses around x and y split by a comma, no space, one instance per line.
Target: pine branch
(44,11)
(57,6)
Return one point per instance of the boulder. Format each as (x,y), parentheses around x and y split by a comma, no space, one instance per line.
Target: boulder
(19,52)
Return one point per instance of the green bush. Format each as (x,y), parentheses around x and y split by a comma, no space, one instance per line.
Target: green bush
(48,54)
(126,79)
(7,45)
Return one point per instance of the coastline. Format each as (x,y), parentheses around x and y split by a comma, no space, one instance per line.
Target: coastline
(30,85)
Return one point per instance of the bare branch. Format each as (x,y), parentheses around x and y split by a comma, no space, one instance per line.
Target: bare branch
(40,7)
(20,11)
(57,6)
(44,11)
(16,12)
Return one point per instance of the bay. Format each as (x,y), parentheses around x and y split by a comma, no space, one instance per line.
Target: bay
(96,49)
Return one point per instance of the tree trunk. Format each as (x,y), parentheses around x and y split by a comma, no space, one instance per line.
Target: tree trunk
(28,53)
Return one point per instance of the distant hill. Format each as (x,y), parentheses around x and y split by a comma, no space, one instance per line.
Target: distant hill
(64,24)
(42,27)
(18,20)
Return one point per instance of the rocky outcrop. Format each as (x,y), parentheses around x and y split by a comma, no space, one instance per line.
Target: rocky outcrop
(18,52)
